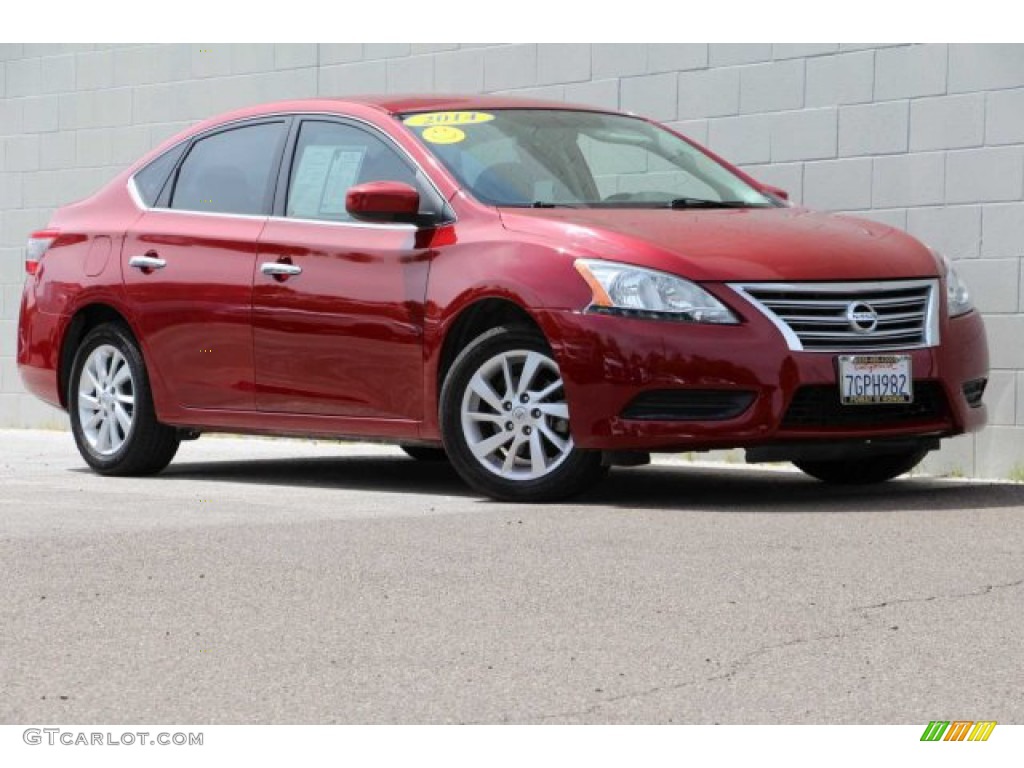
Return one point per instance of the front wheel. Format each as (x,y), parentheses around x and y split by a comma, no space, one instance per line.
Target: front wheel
(111,408)
(505,421)
(863,471)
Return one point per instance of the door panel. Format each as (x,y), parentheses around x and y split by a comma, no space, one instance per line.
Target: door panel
(343,337)
(194,313)
(188,263)
(342,334)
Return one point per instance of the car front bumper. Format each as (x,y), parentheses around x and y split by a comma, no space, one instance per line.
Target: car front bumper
(608,361)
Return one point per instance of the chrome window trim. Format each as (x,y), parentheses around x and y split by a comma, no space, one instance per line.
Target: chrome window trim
(399,226)
(930,326)
(133,191)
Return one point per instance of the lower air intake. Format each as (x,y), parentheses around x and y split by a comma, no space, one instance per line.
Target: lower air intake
(688,405)
(818,406)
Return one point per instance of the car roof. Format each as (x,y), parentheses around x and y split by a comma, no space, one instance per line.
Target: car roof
(397,104)
(392,104)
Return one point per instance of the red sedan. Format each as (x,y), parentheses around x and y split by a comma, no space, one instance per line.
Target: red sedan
(531,290)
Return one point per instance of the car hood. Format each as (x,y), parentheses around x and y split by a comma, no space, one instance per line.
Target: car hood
(789,244)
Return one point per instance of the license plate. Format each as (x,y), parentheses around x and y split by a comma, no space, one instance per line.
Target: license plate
(874,379)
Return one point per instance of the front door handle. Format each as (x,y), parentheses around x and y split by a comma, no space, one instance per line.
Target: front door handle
(147,263)
(280,269)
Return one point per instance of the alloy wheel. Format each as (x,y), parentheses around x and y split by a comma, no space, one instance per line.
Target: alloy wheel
(514,416)
(106,400)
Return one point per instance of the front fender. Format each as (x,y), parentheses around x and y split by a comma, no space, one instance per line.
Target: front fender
(533,277)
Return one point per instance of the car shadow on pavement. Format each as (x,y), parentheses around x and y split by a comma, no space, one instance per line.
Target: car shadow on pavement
(697,488)
(754,490)
(359,473)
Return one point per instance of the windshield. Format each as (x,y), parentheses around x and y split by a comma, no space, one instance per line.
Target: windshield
(550,157)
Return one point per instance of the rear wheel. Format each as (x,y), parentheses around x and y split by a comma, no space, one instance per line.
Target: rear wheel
(425,453)
(505,420)
(863,471)
(111,408)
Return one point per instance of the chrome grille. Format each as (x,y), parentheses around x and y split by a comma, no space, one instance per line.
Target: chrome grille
(844,317)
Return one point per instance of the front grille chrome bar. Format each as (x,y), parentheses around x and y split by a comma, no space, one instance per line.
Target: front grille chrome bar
(850,316)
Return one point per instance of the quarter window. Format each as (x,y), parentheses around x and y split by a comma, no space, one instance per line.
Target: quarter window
(332,157)
(151,179)
(230,171)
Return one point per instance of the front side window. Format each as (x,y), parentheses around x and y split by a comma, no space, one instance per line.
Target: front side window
(552,157)
(330,158)
(230,171)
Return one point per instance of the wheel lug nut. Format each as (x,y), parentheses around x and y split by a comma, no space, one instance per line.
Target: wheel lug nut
(536,413)
(507,406)
(524,398)
(509,426)
(527,430)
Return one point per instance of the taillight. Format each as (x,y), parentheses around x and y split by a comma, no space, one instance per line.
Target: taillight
(38,243)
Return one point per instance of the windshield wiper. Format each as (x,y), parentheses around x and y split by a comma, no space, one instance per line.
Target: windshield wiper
(696,202)
(534,204)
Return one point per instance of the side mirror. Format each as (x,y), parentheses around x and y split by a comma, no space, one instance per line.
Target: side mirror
(778,192)
(383,201)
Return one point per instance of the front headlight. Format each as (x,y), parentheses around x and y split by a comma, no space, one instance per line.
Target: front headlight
(958,298)
(634,291)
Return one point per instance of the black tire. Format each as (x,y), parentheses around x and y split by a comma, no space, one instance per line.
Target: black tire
(571,472)
(425,453)
(148,446)
(863,471)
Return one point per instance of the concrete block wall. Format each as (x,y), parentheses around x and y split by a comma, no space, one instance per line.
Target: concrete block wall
(928,138)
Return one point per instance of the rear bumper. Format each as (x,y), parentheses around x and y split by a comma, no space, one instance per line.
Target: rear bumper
(39,336)
(606,362)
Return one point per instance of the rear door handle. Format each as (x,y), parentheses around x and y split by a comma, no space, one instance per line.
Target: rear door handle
(280,269)
(147,263)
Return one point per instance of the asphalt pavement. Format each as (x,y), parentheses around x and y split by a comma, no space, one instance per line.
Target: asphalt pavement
(280,581)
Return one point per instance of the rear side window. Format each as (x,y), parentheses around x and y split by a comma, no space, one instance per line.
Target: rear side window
(230,171)
(151,179)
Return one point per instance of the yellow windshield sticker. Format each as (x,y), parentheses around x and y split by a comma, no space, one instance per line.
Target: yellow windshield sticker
(443,134)
(448,118)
